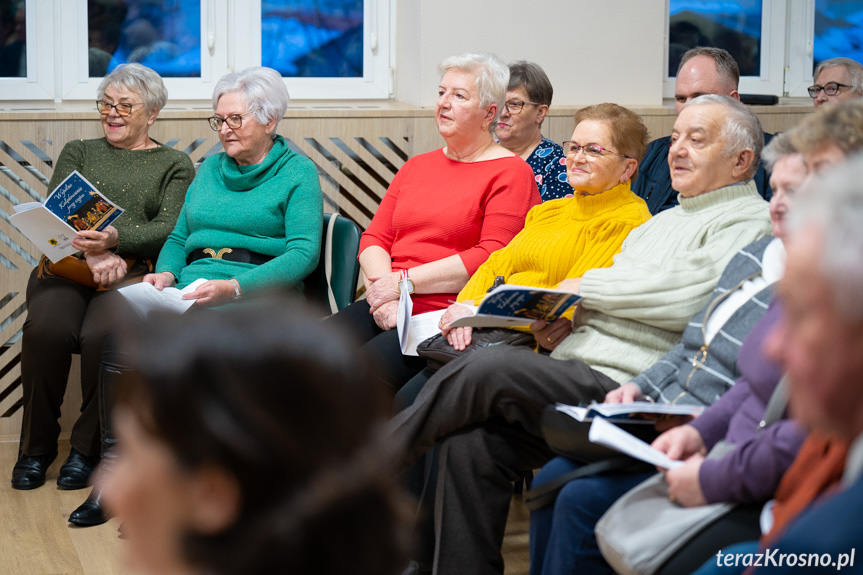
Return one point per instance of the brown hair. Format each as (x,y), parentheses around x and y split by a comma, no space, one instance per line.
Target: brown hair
(629,135)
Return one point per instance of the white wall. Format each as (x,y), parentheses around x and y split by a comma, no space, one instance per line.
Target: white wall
(593,51)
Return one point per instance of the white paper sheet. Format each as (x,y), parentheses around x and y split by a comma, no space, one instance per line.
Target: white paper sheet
(610,435)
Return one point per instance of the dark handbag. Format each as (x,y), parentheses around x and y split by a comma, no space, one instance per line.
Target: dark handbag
(438,352)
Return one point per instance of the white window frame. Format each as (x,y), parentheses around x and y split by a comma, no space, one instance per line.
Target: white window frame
(774,16)
(58,68)
(39,82)
(800,47)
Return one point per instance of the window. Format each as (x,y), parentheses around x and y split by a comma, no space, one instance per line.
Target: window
(838,30)
(734,26)
(325,49)
(753,31)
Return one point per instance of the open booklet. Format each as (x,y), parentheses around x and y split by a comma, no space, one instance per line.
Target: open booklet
(414,329)
(74,205)
(144,297)
(514,305)
(634,412)
(610,435)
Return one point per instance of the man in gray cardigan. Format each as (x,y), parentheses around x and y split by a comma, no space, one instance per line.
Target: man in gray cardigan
(485,408)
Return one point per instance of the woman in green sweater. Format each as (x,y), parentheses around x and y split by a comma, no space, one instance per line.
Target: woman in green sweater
(252,219)
(148,180)
(253,215)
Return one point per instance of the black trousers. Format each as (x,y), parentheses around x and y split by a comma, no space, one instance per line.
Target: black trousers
(62,318)
(483,412)
(380,346)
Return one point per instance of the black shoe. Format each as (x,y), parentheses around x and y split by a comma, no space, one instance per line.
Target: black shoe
(76,471)
(29,472)
(90,512)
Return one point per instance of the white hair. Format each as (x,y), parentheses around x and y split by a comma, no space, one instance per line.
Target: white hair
(137,79)
(852,67)
(491,73)
(741,128)
(263,90)
(833,204)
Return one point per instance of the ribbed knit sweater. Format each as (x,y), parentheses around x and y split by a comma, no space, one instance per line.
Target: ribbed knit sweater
(273,208)
(636,310)
(436,207)
(562,239)
(148,184)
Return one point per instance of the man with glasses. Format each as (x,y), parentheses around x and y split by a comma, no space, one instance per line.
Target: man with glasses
(836,79)
(702,70)
(483,410)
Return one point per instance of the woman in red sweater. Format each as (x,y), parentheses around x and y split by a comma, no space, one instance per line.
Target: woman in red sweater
(444,213)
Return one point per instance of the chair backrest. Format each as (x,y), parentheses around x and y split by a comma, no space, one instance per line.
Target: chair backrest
(344,239)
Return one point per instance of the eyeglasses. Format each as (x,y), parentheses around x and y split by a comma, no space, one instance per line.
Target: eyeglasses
(515,106)
(590,150)
(830,89)
(123,108)
(234,121)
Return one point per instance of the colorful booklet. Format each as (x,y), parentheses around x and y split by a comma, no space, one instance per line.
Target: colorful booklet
(514,305)
(634,412)
(75,205)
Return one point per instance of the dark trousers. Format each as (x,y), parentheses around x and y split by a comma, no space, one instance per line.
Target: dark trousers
(381,346)
(484,411)
(62,318)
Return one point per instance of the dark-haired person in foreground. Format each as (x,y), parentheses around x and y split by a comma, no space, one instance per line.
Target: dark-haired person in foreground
(248,445)
(485,408)
(702,70)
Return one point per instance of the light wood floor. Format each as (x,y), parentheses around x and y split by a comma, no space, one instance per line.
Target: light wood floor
(36,539)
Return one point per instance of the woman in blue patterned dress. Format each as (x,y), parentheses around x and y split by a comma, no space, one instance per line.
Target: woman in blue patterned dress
(528,97)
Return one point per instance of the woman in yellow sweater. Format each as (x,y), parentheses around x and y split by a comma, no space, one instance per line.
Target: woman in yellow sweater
(564,238)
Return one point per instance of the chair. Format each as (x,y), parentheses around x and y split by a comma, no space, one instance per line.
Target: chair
(340,244)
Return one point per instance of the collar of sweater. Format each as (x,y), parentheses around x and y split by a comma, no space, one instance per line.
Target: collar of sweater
(719,196)
(587,207)
(243,178)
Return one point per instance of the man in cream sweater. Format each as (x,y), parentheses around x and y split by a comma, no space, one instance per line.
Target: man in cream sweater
(485,407)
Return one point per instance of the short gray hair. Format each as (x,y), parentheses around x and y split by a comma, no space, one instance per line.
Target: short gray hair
(779,147)
(833,203)
(854,69)
(726,66)
(492,77)
(261,87)
(741,128)
(140,80)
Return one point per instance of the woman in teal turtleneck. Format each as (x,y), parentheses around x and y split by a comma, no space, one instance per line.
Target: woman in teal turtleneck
(252,219)
(252,216)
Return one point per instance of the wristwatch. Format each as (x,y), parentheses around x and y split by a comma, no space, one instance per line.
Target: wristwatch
(409,283)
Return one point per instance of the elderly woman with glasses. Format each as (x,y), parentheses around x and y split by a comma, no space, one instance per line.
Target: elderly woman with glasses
(252,216)
(68,302)
(528,97)
(444,213)
(564,238)
(252,220)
